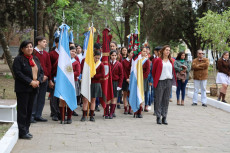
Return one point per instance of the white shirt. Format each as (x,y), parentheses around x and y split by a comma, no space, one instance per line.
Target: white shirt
(38,50)
(80,56)
(166,71)
(113,62)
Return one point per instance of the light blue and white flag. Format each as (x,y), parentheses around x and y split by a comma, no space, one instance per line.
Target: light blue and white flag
(71,36)
(56,34)
(65,85)
(86,41)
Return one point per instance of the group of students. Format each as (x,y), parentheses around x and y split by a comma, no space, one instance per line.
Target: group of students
(35,73)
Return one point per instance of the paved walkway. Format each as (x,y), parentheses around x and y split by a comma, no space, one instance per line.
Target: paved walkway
(191,129)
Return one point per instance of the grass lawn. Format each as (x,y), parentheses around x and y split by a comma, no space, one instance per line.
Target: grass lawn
(4,128)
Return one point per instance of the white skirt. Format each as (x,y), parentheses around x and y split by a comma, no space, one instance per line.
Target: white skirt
(222,78)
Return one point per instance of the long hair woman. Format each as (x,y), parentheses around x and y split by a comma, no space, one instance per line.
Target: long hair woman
(182,68)
(163,76)
(223,75)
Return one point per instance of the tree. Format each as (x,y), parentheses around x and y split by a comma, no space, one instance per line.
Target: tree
(174,20)
(214,29)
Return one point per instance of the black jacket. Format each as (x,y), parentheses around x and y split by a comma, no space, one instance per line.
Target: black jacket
(23,74)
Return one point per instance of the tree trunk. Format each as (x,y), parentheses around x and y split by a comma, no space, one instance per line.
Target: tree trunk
(6,50)
(127,28)
(51,35)
(40,15)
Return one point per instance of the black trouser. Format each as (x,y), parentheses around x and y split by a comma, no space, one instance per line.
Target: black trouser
(39,100)
(24,110)
(54,104)
(162,94)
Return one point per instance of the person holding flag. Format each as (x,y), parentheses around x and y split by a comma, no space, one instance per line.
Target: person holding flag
(106,83)
(136,85)
(96,90)
(65,74)
(88,72)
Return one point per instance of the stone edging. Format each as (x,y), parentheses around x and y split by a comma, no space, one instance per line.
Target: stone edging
(210,101)
(9,139)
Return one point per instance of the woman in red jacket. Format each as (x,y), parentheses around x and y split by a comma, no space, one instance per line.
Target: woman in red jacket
(163,75)
(126,63)
(117,78)
(96,90)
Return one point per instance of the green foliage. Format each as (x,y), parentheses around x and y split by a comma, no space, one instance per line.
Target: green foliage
(214,28)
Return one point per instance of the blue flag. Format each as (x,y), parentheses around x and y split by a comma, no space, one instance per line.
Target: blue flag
(71,36)
(65,84)
(56,34)
(86,41)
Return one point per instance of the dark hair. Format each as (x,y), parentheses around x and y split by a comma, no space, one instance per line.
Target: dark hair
(158,48)
(76,45)
(224,54)
(121,51)
(71,43)
(148,47)
(97,46)
(56,40)
(129,50)
(112,51)
(39,38)
(96,53)
(72,47)
(179,55)
(162,52)
(23,45)
(113,42)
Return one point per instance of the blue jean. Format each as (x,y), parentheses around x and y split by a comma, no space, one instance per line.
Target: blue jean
(147,101)
(181,87)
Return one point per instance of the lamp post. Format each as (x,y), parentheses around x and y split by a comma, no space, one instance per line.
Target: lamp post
(140,5)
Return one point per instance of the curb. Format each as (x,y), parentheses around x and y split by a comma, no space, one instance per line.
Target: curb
(9,139)
(210,101)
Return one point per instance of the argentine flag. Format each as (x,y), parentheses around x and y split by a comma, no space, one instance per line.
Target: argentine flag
(65,85)
(136,85)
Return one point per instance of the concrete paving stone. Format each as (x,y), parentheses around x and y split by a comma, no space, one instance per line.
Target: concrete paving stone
(191,129)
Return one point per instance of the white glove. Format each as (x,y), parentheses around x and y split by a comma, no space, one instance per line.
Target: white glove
(118,88)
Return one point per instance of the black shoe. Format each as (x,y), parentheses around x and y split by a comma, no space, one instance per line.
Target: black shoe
(92,119)
(55,118)
(204,105)
(164,121)
(114,115)
(30,134)
(121,102)
(125,113)
(32,120)
(224,101)
(83,119)
(118,107)
(130,113)
(26,136)
(69,121)
(194,104)
(106,117)
(97,109)
(111,117)
(40,119)
(158,120)
(74,113)
(139,116)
